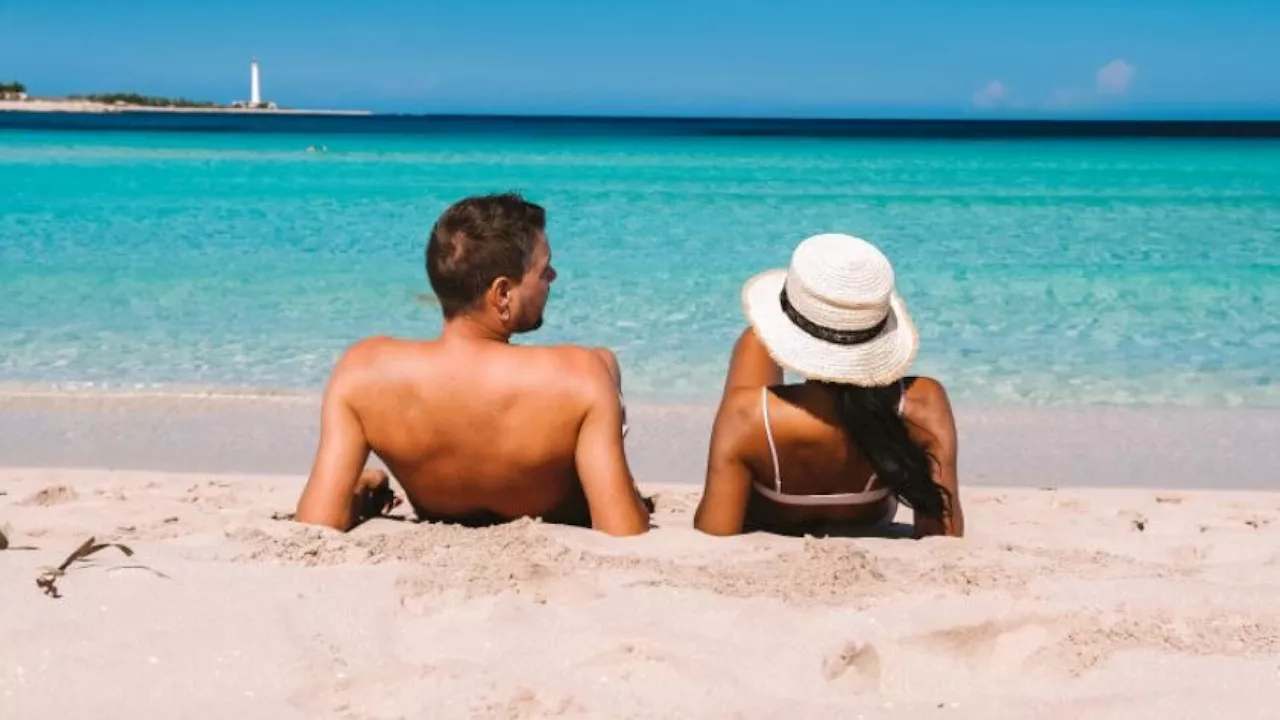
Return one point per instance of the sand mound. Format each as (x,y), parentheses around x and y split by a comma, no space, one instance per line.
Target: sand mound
(53,495)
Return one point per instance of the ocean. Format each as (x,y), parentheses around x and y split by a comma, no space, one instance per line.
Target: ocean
(169,253)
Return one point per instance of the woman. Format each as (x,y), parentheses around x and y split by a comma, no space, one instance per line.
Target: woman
(856,437)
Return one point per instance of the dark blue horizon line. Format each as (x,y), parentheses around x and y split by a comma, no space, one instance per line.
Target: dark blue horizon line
(707,126)
(800,118)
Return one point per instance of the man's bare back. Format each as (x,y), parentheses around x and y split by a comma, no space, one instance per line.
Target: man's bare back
(474,428)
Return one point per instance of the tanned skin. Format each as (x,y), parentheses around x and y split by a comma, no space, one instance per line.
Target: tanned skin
(813,448)
(475,429)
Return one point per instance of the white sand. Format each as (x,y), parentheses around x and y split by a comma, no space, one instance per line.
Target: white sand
(1061,604)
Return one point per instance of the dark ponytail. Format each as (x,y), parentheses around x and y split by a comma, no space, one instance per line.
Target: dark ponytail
(870,417)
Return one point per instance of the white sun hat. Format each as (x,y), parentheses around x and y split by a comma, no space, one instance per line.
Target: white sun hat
(834,315)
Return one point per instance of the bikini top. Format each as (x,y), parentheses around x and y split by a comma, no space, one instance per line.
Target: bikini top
(866,497)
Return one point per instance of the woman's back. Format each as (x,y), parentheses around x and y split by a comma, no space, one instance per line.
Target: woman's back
(821,476)
(854,438)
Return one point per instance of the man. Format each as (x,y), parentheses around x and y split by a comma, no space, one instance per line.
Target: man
(473,428)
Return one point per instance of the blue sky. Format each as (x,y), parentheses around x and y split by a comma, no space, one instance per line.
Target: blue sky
(697,57)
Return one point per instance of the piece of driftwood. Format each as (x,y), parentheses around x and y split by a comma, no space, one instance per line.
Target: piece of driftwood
(48,580)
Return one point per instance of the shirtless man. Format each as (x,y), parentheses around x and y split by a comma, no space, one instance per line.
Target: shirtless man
(473,428)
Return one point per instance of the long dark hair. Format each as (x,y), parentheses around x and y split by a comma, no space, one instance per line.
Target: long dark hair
(870,417)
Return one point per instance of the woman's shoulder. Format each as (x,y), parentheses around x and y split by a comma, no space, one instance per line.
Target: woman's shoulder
(740,418)
(741,406)
(927,405)
(925,391)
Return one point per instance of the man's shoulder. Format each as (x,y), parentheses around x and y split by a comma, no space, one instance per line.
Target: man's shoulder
(371,349)
(372,356)
(579,357)
(590,375)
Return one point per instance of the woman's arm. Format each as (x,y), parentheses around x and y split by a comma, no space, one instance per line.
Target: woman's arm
(932,424)
(723,507)
(750,366)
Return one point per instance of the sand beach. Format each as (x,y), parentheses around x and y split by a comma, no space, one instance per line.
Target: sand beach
(1061,602)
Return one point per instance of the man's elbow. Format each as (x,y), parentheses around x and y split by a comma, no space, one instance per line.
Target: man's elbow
(308,515)
(624,530)
(637,524)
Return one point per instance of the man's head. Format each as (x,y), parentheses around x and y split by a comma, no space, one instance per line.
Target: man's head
(489,255)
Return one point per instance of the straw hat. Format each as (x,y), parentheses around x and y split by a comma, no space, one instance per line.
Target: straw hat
(834,315)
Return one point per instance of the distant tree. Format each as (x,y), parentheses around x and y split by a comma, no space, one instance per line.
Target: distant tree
(128,98)
(14,88)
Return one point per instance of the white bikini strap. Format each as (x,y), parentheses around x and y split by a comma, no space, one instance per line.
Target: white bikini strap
(768,432)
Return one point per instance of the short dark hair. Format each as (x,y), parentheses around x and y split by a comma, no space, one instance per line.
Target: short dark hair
(478,240)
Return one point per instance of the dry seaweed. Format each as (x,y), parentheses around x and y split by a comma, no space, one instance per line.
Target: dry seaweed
(151,570)
(48,580)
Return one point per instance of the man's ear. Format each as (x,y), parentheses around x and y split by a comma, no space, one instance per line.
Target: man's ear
(499,294)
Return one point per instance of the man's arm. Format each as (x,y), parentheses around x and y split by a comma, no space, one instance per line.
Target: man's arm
(330,496)
(601,460)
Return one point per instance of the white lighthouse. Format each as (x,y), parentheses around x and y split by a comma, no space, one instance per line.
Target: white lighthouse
(255,85)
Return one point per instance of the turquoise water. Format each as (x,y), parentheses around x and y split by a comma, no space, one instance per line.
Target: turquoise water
(1039,272)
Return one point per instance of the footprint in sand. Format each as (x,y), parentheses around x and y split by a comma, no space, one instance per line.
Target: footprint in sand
(856,664)
(526,703)
(426,593)
(992,648)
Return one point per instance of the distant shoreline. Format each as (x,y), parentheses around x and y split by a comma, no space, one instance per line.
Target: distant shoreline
(93,107)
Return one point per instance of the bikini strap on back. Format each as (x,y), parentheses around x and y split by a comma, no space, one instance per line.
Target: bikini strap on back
(768,432)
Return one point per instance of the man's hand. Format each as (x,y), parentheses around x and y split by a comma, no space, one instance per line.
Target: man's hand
(374,495)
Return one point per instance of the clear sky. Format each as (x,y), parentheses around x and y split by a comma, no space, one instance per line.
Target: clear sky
(1214,58)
